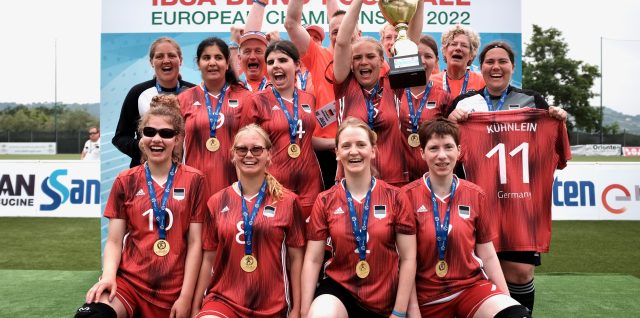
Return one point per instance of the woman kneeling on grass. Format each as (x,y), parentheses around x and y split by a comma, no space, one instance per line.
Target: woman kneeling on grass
(158,206)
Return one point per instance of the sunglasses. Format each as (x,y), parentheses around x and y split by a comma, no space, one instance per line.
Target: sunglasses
(242,151)
(165,133)
(93,132)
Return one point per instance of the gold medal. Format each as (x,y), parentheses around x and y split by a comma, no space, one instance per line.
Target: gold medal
(414,140)
(442,268)
(248,263)
(213,144)
(362,269)
(161,247)
(294,151)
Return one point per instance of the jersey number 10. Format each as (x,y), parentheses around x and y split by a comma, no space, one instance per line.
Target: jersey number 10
(502,160)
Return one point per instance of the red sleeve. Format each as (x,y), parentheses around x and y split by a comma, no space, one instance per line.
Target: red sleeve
(563,148)
(405,222)
(209,228)
(295,232)
(484,230)
(317,228)
(199,207)
(115,204)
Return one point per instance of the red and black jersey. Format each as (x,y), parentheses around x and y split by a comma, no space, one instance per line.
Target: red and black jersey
(264,292)
(435,107)
(389,215)
(513,155)
(158,279)
(475,83)
(350,101)
(300,175)
(469,224)
(217,167)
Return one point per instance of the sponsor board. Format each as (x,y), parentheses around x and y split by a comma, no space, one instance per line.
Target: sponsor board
(28,148)
(596,150)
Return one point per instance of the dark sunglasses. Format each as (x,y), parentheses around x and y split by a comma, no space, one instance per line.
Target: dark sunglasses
(93,132)
(242,151)
(165,133)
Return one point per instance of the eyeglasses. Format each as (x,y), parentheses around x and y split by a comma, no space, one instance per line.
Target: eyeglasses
(242,151)
(165,133)
(93,132)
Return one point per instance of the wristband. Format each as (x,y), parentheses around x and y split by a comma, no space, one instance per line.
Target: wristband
(399,314)
(263,4)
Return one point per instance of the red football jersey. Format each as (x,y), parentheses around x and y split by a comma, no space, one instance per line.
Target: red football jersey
(278,225)
(512,155)
(475,83)
(350,101)
(300,175)
(468,225)
(217,167)
(158,279)
(436,105)
(317,59)
(389,214)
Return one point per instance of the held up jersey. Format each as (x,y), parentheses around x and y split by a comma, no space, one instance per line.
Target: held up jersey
(158,279)
(469,225)
(389,215)
(512,155)
(264,292)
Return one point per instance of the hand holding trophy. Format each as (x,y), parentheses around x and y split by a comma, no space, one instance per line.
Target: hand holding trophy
(406,67)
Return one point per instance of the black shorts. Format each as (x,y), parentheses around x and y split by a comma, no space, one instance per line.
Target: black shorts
(525,257)
(331,287)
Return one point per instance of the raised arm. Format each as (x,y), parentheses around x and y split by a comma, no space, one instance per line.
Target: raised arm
(293,24)
(342,65)
(256,15)
(332,7)
(415,25)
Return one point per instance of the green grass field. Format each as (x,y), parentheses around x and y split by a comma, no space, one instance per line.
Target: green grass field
(47,265)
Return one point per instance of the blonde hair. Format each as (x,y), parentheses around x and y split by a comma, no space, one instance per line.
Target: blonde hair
(166,106)
(449,35)
(154,45)
(357,123)
(378,46)
(274,188)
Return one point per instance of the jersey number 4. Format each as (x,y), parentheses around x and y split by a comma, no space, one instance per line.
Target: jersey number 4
(502,160)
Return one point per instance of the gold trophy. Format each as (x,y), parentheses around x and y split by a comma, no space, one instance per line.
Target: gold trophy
(406,66)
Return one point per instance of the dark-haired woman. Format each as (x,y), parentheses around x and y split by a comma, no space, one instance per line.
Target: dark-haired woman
(287,114)
(165,56)
(212,115)
(159,208)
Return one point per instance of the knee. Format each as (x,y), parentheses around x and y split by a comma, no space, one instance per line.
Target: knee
(515,311)
(519,274)
(95,310)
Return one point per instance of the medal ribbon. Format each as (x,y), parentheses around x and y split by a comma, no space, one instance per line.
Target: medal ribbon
(360,232)
(293,122)
(487,97)
(159,213)
(369,101)
(160,91)
(262,85)
(442,231)
(247,219)
(303,78)
(213,116)
(413,116)
(464,83)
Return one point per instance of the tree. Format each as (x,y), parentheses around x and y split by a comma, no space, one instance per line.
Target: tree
(564,81)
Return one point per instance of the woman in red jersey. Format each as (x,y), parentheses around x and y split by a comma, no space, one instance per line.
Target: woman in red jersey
(372,232)
(459,274)
(212,115)
(419,104)
(159,207)
(287,114)
(252,228)
(362,90)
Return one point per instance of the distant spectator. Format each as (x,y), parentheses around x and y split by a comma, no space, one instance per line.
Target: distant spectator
(91,150)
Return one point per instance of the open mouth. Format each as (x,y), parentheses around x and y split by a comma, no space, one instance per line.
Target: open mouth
(168,68)
(457,56)
(366,72)
(156,149)
(253,66)
(279,76)
(249,162)
(356,160)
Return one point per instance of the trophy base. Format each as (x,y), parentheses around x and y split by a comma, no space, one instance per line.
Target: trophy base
(406,71)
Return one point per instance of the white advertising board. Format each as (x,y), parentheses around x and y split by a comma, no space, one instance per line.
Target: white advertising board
(69,188)
(596,150)
(28,148)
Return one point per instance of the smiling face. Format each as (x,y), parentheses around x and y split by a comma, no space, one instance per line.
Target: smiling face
(441,154)
(355,150)
(250,154)
(497,70)
(166,61)
(212,65)
(281,70)
(366,63)
(252,59)
(158,150)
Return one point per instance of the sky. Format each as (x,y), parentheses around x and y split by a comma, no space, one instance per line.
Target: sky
(33,30)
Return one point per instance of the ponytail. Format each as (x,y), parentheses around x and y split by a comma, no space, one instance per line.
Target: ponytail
(275,189)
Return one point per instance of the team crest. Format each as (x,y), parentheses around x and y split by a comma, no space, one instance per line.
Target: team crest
(464,211)
(178,193)
(306,108)
(269,211)
(432,104)
(379,211)
(233,103)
